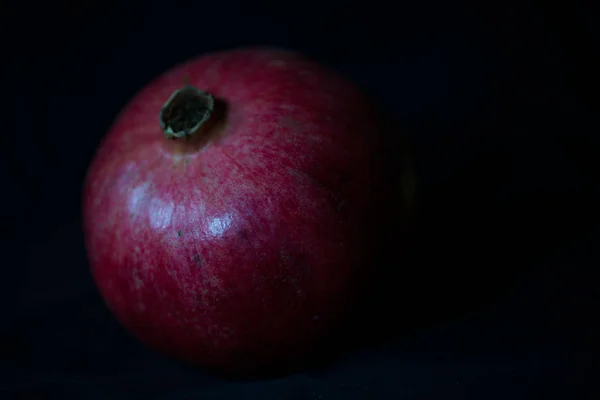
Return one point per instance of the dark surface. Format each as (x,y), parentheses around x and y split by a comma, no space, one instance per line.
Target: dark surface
(497,289)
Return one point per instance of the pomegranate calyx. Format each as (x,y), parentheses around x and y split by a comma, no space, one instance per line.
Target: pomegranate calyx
(184,113)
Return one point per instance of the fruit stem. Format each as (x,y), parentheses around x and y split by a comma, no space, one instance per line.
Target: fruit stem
(184,113)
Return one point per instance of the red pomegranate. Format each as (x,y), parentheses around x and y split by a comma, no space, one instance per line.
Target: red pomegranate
(231,212)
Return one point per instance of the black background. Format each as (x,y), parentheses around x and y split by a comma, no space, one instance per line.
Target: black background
(496,292)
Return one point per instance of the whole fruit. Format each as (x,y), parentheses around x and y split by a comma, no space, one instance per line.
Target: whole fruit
(232,212)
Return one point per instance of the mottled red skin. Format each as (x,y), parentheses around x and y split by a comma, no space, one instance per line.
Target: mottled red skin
(247,248)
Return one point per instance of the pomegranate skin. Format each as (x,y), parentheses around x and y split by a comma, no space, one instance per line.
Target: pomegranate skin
(244,245)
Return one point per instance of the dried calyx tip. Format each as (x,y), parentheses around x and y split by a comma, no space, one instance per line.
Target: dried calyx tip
(185,112)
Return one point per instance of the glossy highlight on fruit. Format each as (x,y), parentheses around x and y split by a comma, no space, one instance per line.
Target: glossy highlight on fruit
(231,212)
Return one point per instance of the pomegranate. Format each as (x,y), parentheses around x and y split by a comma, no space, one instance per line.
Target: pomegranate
(231,211)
